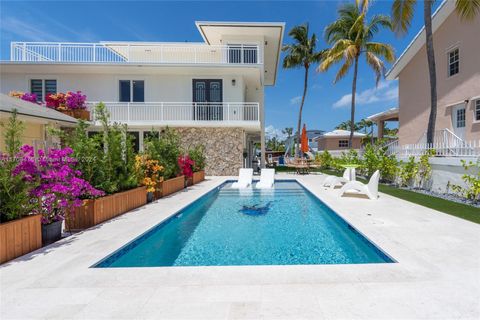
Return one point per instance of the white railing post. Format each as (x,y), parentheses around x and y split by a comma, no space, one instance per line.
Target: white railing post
(94,53)
(128,53)
(59,52)
(162,116)
(128,111)
(24,52)
(195,54)
(241,53)
(228,111)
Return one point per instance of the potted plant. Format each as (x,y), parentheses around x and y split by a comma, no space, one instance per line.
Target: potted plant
(72,104)
(58,188)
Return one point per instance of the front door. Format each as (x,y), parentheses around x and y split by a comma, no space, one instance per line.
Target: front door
(207,98)
(458,120)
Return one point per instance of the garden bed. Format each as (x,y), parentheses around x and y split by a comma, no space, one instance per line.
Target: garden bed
(198,176)
(77,114)
(105,208)
(172,185)
(19,237)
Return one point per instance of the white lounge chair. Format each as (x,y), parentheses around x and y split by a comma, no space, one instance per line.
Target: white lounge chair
(333,181)
(245,177)
(267,179)
(370,189)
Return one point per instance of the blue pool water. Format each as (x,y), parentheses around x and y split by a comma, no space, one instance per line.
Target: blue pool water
(284,226)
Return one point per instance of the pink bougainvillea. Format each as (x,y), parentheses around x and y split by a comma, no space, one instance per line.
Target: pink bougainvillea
(56,184)
(186,165)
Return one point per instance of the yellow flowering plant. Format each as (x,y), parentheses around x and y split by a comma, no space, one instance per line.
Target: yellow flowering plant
(149,172)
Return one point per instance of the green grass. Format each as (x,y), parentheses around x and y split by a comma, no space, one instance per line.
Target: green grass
(456,209)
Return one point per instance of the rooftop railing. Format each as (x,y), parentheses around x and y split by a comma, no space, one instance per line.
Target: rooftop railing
(182,112)
(135,53)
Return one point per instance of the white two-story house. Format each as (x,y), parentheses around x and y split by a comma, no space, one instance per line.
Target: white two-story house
(211,92)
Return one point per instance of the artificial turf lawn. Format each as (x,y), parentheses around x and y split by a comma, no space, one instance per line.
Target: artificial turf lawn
(456,209)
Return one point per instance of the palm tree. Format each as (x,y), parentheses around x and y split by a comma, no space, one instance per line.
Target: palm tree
(345,125)
(350,37)
(402,14)
(301,54)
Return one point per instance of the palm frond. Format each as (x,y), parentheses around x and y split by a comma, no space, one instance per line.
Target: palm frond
(467,9)
(377,65)
(402,15)
(381,49)
(342,72)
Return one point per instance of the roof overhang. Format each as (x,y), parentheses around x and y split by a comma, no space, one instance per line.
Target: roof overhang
(33,111)
(439,16)
(387,115)
(270,32)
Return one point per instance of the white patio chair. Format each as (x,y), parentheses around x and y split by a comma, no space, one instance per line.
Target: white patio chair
(267,179)
(333,181)
(370,189)
(245,177)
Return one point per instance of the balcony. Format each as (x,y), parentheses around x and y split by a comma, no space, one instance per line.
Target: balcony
(216,114)
(122,53)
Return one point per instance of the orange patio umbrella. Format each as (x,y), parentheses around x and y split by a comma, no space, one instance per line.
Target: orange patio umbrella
(304,140)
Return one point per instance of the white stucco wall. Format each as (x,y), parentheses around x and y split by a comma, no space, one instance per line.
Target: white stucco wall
(104,87)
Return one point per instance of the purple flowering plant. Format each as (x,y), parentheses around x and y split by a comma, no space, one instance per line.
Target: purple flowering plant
(57,185)
(30,97)
(75,100)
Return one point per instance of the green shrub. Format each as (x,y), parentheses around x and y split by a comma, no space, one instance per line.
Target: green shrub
(375,158)
(472,191)
(197,154)
(407,172)
(165,149)
(15,200)
(424,168)
(325,159)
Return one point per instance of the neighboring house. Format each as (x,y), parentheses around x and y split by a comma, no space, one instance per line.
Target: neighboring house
(380,119)
(336,141)
(36,120)
(312,142)
(457,54)
(212,92)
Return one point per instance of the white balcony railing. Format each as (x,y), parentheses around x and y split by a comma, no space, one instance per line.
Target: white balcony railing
(135,53)
(182,112)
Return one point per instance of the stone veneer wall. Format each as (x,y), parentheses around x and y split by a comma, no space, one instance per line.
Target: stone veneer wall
(223,148)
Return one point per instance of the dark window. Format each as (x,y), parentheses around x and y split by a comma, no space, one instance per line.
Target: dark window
(343,143)
(477,110)
(134,135)
(124,91)
(461,118)
(50,87)
(453,62)
(138,91)
(36,87)
(148,135)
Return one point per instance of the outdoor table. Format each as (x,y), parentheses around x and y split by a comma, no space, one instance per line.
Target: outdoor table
(350,171)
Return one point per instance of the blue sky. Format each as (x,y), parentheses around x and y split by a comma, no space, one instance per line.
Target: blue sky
(90,21)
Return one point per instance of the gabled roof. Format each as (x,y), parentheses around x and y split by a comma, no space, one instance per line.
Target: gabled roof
(25,108)
(438,17)
(271,32)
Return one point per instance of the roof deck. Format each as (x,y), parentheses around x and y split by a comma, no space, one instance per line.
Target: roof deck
(136,53)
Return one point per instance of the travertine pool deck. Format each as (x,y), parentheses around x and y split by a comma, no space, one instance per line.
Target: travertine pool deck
(437,274)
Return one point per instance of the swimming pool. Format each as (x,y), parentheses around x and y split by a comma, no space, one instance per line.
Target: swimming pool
(287,225)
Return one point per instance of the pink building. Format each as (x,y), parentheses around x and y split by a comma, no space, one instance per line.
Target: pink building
(457,54)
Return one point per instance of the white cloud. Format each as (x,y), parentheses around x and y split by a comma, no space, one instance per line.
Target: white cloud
(27,31)
(271,131)
(383,93)
(296,100)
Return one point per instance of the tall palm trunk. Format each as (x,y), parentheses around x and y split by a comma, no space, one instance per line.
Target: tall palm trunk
(427,14)
(352,111)
(305,83)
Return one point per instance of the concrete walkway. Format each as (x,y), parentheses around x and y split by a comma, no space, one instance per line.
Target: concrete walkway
(437,275)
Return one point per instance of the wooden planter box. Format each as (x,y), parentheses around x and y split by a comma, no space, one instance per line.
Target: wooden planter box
(78,114)
(105,208)
(172,185)
(198,176)
(19,237)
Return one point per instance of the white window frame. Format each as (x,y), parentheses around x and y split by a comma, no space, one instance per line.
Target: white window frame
(342,140)
(476,109)
(42,78)
(450,63)
(131,88)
